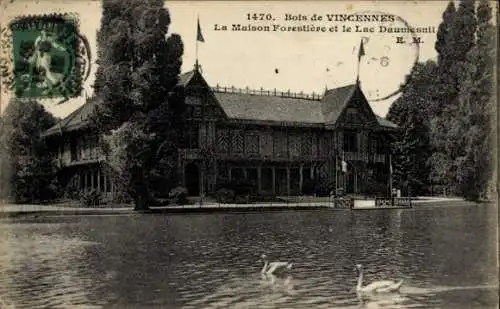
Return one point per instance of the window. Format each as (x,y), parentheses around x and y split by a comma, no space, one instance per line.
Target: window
(378,144)
(222,175)
(280,144)
(294,145)
(92,145)
(252,143)
(74,153)
(88,180)
(306,145)
(350,141)
(82,180)
(192,136)
(306,173)
(101,182)
(237,142)
(108,183)
(81,148)
(86,149)
(95,180)
(223,140)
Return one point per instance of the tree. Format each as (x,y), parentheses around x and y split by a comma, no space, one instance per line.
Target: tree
(460,41)
(412,112)
(27,166)
(456,38)
(474,165)
(135,81)
(461,36)
(442,44)
(129,154)
(443,47)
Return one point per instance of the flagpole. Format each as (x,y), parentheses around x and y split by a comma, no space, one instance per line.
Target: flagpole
(336,173)
(357,72)
(197,31)
(390,174)
(344,173)
(361,53)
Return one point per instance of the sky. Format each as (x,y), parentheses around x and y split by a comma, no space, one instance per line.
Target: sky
(297,61)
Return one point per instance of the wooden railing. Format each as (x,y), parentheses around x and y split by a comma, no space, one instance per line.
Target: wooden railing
(285,94)
(355,156)
(82,161)
(195,154)
(364,156)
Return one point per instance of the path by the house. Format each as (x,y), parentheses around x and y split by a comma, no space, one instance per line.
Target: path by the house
(12,210)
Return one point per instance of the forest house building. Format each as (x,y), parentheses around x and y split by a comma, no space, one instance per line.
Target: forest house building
(280,142)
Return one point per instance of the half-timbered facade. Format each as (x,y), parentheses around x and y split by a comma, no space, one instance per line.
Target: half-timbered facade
(276,141)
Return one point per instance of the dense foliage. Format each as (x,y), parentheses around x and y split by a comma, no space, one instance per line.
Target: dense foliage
(138,71)
(27,168)
(412,148)
(447,107)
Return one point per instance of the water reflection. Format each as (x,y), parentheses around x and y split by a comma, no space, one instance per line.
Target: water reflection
(43,270)
(445,257)
(391,300)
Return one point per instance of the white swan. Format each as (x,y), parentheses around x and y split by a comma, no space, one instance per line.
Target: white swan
(274,267)
(382,286)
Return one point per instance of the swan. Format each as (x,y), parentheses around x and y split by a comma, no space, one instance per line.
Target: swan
(274,267)
(382,286)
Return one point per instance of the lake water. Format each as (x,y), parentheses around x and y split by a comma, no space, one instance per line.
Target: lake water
(446,256)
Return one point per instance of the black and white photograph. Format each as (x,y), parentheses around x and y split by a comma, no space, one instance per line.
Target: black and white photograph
(248,154)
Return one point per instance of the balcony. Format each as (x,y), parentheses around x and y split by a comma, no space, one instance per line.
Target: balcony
(356,156)
(84,161)
(364,156)
(195,154)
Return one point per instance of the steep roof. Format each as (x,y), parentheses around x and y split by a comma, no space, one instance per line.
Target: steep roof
(185,78)
(81,116)
(246,106)
(74,121)
(335,100)
(253,107)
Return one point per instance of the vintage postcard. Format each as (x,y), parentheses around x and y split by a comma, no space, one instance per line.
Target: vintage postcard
(257,154)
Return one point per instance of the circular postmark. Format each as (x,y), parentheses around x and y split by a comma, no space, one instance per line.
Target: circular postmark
(391,50)
(48,57)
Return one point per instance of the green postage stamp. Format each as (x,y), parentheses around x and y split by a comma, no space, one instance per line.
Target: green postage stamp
(45,53)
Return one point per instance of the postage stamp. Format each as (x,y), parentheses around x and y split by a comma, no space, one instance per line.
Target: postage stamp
(44,54)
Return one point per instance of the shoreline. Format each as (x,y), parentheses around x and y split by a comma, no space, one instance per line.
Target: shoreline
(35,210)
